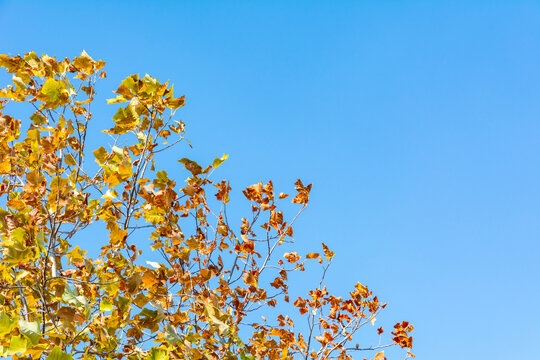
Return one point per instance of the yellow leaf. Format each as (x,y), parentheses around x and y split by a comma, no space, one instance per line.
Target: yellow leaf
(110,194)
(149,278)
(218,161)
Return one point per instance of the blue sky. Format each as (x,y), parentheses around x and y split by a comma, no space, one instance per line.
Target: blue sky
(418,123)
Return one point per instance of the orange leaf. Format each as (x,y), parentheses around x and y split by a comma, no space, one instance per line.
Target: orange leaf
(329,254)
(303,193)
(292,257)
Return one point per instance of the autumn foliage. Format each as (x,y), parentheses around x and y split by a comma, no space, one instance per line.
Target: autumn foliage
(207,298)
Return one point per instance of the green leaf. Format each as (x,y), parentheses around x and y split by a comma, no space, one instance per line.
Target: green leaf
(38,119)
(157,354)
(243,356)
(6,323)
(162,177)
(52,87)
(123,303)
(126,119)
(219,161)
(53,93)
(105,305)
(17,251)
(132,82)
(17,345)
(150,314)
(58,354)
(18,234)
(70,297)
(191,338)
(151,85)
(31,330)
(170,335)
(216,317)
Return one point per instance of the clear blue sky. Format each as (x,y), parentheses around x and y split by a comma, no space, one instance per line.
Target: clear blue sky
(417,121)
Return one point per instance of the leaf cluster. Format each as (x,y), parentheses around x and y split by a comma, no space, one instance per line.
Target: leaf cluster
(200,301)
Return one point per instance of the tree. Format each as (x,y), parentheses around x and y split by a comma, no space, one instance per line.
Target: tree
(206,296)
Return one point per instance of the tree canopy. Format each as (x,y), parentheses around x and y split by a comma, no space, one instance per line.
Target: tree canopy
(210,295)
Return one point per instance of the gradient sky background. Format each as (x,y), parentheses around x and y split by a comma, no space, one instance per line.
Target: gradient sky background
(417,121)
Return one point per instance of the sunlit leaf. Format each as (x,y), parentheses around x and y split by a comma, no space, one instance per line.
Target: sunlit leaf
(170,335)
(105,305)
(101,155)
(218,161)
(31,330)
(53,93)
(17,345)
(6,323)
(58,354)
(70,297)
(157,354)
(153,264)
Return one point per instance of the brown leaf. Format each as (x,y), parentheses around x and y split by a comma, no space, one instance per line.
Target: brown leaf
(303,193)
(291,257)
